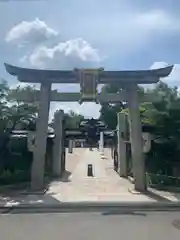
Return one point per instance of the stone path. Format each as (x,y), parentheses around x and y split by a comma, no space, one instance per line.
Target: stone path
(106,185)
(72,159)
(75,186)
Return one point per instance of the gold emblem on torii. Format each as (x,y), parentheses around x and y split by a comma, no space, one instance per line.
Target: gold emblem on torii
(88,79)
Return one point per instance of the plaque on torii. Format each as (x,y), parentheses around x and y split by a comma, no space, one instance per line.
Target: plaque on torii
(88,79)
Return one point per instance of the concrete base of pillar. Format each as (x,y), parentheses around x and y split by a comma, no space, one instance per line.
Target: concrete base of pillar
(134,191)
(140,187)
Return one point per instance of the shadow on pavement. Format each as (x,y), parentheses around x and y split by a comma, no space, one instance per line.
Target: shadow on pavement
(51,210)
(15,199)
(155,196)
(109,213)
(57,211)
(64,178)
(176,195)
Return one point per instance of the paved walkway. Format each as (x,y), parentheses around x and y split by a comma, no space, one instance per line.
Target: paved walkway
(75,186)
(105,185)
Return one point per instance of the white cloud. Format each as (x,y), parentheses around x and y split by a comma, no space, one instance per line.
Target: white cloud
(30,32)
(65,55)
(157,65)
(89,110)
(128,29)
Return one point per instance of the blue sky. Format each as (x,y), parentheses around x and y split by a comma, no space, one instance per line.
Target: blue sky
(116,34)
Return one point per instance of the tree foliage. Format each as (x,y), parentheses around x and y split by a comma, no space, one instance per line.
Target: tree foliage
(108,112)
(163,114)
(71,120)
(14,112)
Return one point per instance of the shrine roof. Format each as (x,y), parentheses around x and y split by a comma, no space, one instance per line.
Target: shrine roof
(69,76)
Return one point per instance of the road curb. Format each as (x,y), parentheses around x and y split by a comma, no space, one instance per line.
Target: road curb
(90,207)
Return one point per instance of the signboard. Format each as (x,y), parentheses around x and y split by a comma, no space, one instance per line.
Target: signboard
(88,79)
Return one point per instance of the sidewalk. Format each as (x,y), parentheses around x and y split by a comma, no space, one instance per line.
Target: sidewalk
(105,187)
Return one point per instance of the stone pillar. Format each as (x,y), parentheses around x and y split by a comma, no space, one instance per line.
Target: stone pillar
(39,154)
(74,143)
(121,146)
(101,142)
(136,138)
(58,144)
(70,147)
(63,161)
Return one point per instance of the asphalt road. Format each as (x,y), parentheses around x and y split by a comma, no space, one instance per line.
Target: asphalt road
(85,226)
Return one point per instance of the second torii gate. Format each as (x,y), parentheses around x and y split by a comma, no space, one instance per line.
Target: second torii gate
(129,81)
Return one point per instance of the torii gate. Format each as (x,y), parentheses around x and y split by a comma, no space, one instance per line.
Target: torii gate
(129,81)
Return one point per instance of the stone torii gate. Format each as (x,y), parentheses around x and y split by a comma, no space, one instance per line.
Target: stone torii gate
(129,81)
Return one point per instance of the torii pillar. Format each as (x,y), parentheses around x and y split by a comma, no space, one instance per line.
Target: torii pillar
(39,154)
(136,138)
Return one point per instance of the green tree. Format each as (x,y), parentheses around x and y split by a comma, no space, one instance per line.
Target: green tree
(13,111)
(20,112)
(108,112)
(163,115)
(72,120)
(3,104)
